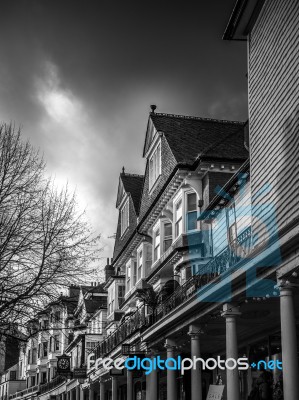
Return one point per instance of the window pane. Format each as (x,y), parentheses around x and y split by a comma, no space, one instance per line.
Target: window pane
(178,228)
(178,210)
(191,202)
(154,166)
(134,273)
(191,221)
(167,244)
(167,229)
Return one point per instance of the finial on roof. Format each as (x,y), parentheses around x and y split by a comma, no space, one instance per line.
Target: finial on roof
(153,108)
(123,170)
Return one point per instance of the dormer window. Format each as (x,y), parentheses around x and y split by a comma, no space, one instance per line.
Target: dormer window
(124,218)
(155,166)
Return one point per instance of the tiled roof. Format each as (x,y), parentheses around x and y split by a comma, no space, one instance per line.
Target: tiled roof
(193,137)
(99,288)
(133,184)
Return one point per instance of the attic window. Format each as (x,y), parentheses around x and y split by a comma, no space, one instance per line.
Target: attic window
(124,217)
(154,166)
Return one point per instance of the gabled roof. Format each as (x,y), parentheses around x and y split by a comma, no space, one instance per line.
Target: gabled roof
(191,138)
(131,184)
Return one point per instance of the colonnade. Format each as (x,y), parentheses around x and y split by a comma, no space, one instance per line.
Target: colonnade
(230,313)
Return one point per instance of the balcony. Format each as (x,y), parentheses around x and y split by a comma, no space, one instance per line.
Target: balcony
(132,324)
(52,385)
(209,273)
(23,393)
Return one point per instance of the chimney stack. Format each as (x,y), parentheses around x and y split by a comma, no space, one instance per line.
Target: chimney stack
(153,108)
(109,270)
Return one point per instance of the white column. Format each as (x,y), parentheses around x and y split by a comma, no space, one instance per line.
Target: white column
(196,379)
(114,388)
(148,386)
(129,385)
(102,390)
(289,343)
(78,392)
(152,381)
(81,393)
(230,313)
(171,374)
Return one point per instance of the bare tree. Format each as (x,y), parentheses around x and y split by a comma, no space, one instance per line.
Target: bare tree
(44,242)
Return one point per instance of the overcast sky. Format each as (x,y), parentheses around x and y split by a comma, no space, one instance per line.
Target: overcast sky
(79,76)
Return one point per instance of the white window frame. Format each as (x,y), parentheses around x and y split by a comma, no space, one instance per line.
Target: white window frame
(157,243)
(128,276)
(140,266)
(154,165)
(181,219)
(124,217)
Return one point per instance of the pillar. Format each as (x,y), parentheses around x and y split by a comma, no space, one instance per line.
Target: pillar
(152,380)
(114,388)
(171,374)
(153,393)
(78,392)
(102,390)
(288,343)
(230,313)
(129,385)
(196,379)
(148,386)
(91,392)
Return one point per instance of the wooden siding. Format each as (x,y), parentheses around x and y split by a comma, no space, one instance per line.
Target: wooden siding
(274,115)
(242,200)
